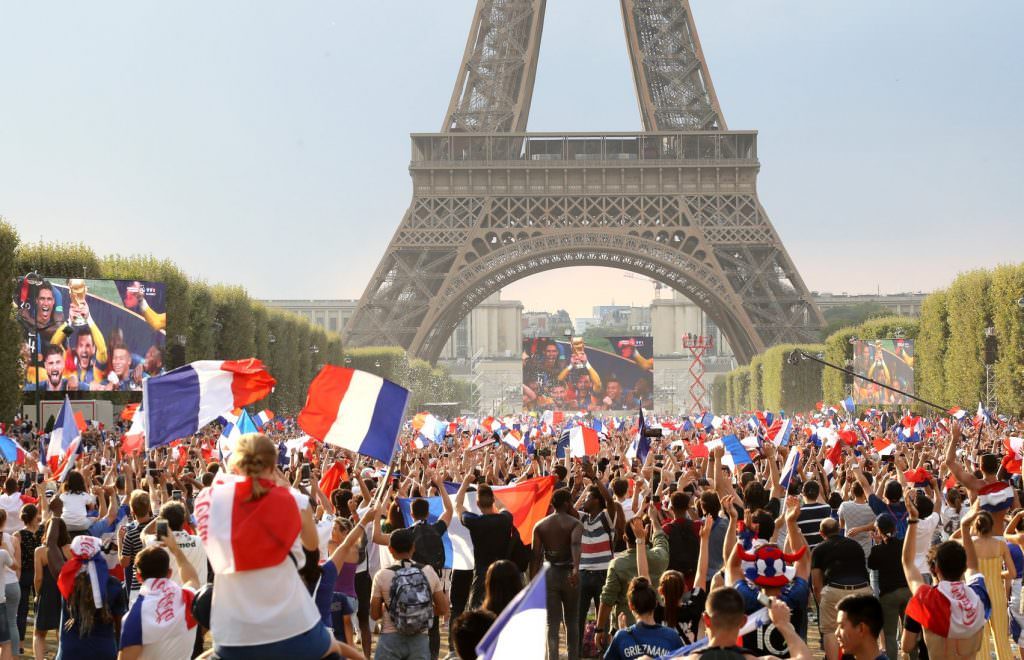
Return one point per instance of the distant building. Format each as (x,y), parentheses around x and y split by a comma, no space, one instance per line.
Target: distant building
(585,322)
(547,324)
(901,304)
(484,348)
(331,315)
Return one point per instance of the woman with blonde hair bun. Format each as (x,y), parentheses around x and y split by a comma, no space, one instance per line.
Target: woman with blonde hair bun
(254,528)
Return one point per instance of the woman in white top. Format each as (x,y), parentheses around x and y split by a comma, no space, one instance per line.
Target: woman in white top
(76,500)
(263,609)
(11,502)
(12,589)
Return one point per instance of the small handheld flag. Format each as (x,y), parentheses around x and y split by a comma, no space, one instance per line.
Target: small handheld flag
(64,440)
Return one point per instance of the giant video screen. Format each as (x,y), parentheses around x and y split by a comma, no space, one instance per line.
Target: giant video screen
(889,361)
(571,376)
(90,335)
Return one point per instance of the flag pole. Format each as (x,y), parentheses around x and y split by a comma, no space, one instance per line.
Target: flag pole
(797,355)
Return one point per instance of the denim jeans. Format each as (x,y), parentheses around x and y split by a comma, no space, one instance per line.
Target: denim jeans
(396,646)
(311,645)
(563,601)
(12,590)
(893,605)
(591,584)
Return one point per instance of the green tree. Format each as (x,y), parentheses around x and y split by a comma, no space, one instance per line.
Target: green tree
(1008,320)
(930,349)
(57,260)
(11,368)
(968,314)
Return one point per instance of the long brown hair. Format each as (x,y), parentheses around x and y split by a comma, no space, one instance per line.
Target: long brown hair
(82,608)
(672,587)
(254,454)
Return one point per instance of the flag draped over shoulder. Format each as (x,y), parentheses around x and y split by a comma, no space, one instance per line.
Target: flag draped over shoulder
(243,534)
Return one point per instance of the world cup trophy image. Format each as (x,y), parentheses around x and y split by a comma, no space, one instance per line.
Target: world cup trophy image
(77,289)
(579,354)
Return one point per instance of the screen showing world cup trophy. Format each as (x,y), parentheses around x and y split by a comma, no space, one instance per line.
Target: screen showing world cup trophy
(888,361)
(571,376)
(90,335)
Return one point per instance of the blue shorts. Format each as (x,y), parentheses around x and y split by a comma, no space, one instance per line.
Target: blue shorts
(310,645)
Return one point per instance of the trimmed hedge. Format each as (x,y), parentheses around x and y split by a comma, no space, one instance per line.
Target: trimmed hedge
(719,395)
(791,387)
(968,315)
(1006,289)
(930,349)
(838,351)
(11,368)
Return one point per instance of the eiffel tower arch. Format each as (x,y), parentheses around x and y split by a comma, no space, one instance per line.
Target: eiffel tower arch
(493,204)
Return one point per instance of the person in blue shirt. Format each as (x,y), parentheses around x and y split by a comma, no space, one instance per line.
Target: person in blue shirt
(645,637)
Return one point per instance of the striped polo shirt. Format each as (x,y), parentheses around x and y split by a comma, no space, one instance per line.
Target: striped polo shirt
(597,543)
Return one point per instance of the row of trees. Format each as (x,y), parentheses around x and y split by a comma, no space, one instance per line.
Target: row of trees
(976,323)
(207,321)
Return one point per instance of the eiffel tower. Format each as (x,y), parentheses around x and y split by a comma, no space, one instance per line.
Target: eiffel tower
(492,203)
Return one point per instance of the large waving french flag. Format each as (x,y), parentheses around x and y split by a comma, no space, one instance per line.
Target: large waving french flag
(180,402)
(355,410)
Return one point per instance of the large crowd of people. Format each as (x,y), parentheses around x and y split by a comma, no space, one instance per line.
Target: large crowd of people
(837,535)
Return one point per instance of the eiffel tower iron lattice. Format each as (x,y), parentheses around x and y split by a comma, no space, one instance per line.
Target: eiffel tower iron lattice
(492,204)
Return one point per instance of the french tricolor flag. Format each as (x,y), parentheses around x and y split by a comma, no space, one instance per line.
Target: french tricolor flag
(163,611)
(520,630)
(263,417)
(180,402)
(11,451)
(933,608)
(957,413)
(790,468)
(64,440)
(780,431)
(240,533)
(514,439)
(583,441)
(355,410)
(995,497)
(883,447)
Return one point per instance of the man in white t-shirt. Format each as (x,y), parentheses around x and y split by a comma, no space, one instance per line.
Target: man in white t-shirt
(157,625)
(174,514)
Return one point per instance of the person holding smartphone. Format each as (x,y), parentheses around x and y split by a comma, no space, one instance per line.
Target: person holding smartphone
(171,522)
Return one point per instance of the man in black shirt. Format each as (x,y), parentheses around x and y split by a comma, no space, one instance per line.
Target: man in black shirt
(838,569)
(490,531)
(893,592)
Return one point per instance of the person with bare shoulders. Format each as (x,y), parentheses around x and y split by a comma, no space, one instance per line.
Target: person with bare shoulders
(557,540)
(953,613)
(994,495)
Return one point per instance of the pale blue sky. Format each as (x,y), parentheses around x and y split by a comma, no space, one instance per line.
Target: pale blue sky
(266,143)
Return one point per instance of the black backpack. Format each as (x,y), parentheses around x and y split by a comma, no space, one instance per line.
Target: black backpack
(429,548)
(683,547)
